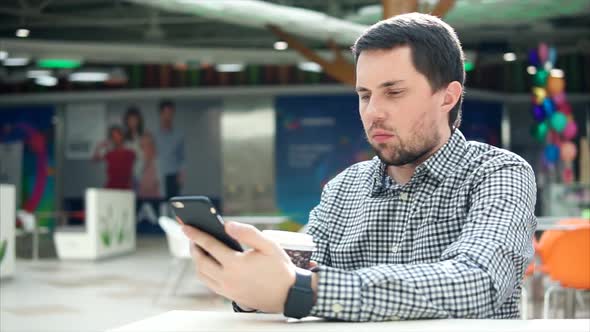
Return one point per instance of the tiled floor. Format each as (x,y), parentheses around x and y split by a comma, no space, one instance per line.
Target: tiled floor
(51,295)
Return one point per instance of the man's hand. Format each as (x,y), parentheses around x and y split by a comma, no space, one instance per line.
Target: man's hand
(257,278)
(312,264)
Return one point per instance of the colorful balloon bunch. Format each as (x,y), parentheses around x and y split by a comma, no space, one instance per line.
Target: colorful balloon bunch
(555,125)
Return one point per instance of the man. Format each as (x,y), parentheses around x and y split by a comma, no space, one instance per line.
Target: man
(170,147)
(434,227)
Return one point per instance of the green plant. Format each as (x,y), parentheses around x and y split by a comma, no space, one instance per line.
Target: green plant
(121,234)
(106,238)
(3,247)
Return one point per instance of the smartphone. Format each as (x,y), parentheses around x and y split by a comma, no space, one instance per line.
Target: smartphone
(199,212)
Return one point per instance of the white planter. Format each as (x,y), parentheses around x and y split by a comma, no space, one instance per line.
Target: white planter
(110,227)
(7,222)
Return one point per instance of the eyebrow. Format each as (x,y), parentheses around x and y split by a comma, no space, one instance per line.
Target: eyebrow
(382,85)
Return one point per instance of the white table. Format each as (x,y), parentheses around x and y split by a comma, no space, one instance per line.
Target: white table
(546,223)
(228,321)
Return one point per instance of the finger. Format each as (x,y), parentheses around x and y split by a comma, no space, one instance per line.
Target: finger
(250,236)
(210,283)
(313,264)
(222,253)
(205,264)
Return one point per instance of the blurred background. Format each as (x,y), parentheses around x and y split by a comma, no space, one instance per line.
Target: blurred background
(108,108)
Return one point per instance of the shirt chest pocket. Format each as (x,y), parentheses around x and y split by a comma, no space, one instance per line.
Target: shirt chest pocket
(373,237)
(434,227)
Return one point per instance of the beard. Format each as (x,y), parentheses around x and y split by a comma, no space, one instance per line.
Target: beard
(400,152)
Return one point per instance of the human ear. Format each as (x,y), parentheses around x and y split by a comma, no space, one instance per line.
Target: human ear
(452,94)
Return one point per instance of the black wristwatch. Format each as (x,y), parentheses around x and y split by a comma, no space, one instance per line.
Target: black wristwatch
(300,298)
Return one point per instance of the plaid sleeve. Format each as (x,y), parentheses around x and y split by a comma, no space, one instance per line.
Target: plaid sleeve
(320,230)
(475,275)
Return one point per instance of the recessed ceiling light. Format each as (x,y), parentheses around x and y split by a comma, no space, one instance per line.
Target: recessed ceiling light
(13,62)
(22,33)
(310,66)
(281,45)
(229,67)
(46,81)
(509,56)
(88,77)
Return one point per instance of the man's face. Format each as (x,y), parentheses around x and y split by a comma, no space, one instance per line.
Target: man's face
(401,115)
(167,115)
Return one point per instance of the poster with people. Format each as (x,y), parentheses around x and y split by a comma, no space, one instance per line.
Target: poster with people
(147,146)
(146,159)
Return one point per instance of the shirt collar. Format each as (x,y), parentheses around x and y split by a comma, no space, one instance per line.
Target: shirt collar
(378,181)
(445,159)
(438,165)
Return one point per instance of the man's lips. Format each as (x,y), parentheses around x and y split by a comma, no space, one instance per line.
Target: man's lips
(381,136)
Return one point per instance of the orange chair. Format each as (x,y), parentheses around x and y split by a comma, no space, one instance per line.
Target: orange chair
(565,256)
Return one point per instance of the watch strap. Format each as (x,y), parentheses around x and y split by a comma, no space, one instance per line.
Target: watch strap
(300,297)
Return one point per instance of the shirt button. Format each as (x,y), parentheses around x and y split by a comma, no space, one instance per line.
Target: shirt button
(403,196)
(337,307)
(394,249)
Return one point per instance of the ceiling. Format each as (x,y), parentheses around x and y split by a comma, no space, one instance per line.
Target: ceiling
(503,24)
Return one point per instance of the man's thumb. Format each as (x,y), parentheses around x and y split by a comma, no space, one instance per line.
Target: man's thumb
(250,236)
(313,264)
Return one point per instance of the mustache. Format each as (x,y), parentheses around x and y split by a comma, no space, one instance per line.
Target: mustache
(379,125)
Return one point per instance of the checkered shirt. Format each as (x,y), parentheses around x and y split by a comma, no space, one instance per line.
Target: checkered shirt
(453,242)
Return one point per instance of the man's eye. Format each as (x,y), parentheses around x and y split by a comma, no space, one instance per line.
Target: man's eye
(394,93)
(365,97)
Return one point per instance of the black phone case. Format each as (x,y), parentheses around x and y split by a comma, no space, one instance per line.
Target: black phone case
(199,212)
